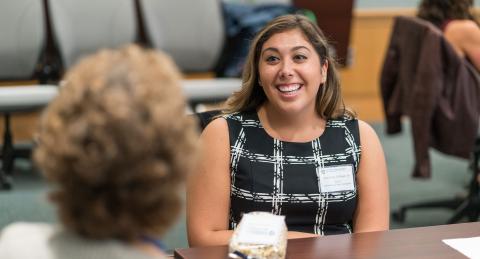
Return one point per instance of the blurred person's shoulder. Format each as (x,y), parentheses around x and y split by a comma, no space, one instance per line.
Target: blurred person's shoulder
(24,240)
(464,24)
(28,233)
(462,28)
(46,241)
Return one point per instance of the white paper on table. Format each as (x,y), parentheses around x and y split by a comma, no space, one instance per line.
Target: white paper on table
(470,247)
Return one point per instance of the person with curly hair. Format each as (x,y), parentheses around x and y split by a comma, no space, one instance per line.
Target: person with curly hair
(455,19)
(116,146)
(286,144)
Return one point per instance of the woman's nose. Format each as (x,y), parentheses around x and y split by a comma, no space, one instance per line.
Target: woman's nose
(286,69)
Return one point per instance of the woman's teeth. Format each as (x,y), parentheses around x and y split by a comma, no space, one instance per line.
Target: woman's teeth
(289,88)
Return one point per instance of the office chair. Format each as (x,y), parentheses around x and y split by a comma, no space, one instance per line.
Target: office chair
(424,79)
(23,44)
(468,206)
(83,27)
(22,30)
(204,118)
(192,32)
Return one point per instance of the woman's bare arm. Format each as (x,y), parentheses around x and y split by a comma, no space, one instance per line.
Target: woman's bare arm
(373,209)
(208,189)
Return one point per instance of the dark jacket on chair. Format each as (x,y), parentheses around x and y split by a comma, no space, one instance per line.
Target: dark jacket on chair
(424,79)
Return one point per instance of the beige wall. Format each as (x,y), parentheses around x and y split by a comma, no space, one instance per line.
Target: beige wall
(369,40)
(370,35)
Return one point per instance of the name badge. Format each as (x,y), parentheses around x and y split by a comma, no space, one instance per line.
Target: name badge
(336,179)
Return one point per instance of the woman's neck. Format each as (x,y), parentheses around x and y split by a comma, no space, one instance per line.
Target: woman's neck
(300,127)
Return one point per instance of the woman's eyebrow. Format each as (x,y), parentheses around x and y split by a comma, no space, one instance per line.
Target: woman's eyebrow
(300,47)
(270,49)
(292,49)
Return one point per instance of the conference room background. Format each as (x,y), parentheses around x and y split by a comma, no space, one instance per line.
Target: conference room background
(370,31)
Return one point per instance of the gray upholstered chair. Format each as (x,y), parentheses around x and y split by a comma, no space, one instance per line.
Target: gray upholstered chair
(22,40)
(193,33)
(83,27)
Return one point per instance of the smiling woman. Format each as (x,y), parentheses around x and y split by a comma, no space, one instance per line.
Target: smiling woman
(289,73)
(286,144)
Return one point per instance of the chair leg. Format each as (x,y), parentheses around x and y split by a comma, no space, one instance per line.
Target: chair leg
(5,181)
(469,209)
(460,212)
(474,209)
(7,157)
(399,215)
(475,214)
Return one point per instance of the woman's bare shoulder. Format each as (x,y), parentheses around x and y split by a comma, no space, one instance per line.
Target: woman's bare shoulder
(215,135)
(463,28)
(465,37)
(216,126)
(365,128)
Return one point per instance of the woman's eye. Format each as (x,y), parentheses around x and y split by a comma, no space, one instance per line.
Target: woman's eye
(299,57)
(271,59)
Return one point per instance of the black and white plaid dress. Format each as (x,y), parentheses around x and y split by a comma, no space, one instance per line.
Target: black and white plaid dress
(282,177)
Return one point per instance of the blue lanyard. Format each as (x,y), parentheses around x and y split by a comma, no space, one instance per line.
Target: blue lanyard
(156,242)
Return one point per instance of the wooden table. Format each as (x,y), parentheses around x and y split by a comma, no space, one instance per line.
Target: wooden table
(422,242)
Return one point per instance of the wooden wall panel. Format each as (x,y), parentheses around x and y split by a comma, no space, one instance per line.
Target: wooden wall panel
(369,41)
(335,19)
(360,81)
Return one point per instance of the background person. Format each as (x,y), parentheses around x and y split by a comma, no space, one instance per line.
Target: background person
(116,146)
(458,24)
(286,144)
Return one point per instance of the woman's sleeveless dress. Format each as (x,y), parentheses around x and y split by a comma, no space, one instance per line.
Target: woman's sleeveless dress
(313,183)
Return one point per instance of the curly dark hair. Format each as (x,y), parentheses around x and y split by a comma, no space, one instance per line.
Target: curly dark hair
(439,11)
(117,144)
